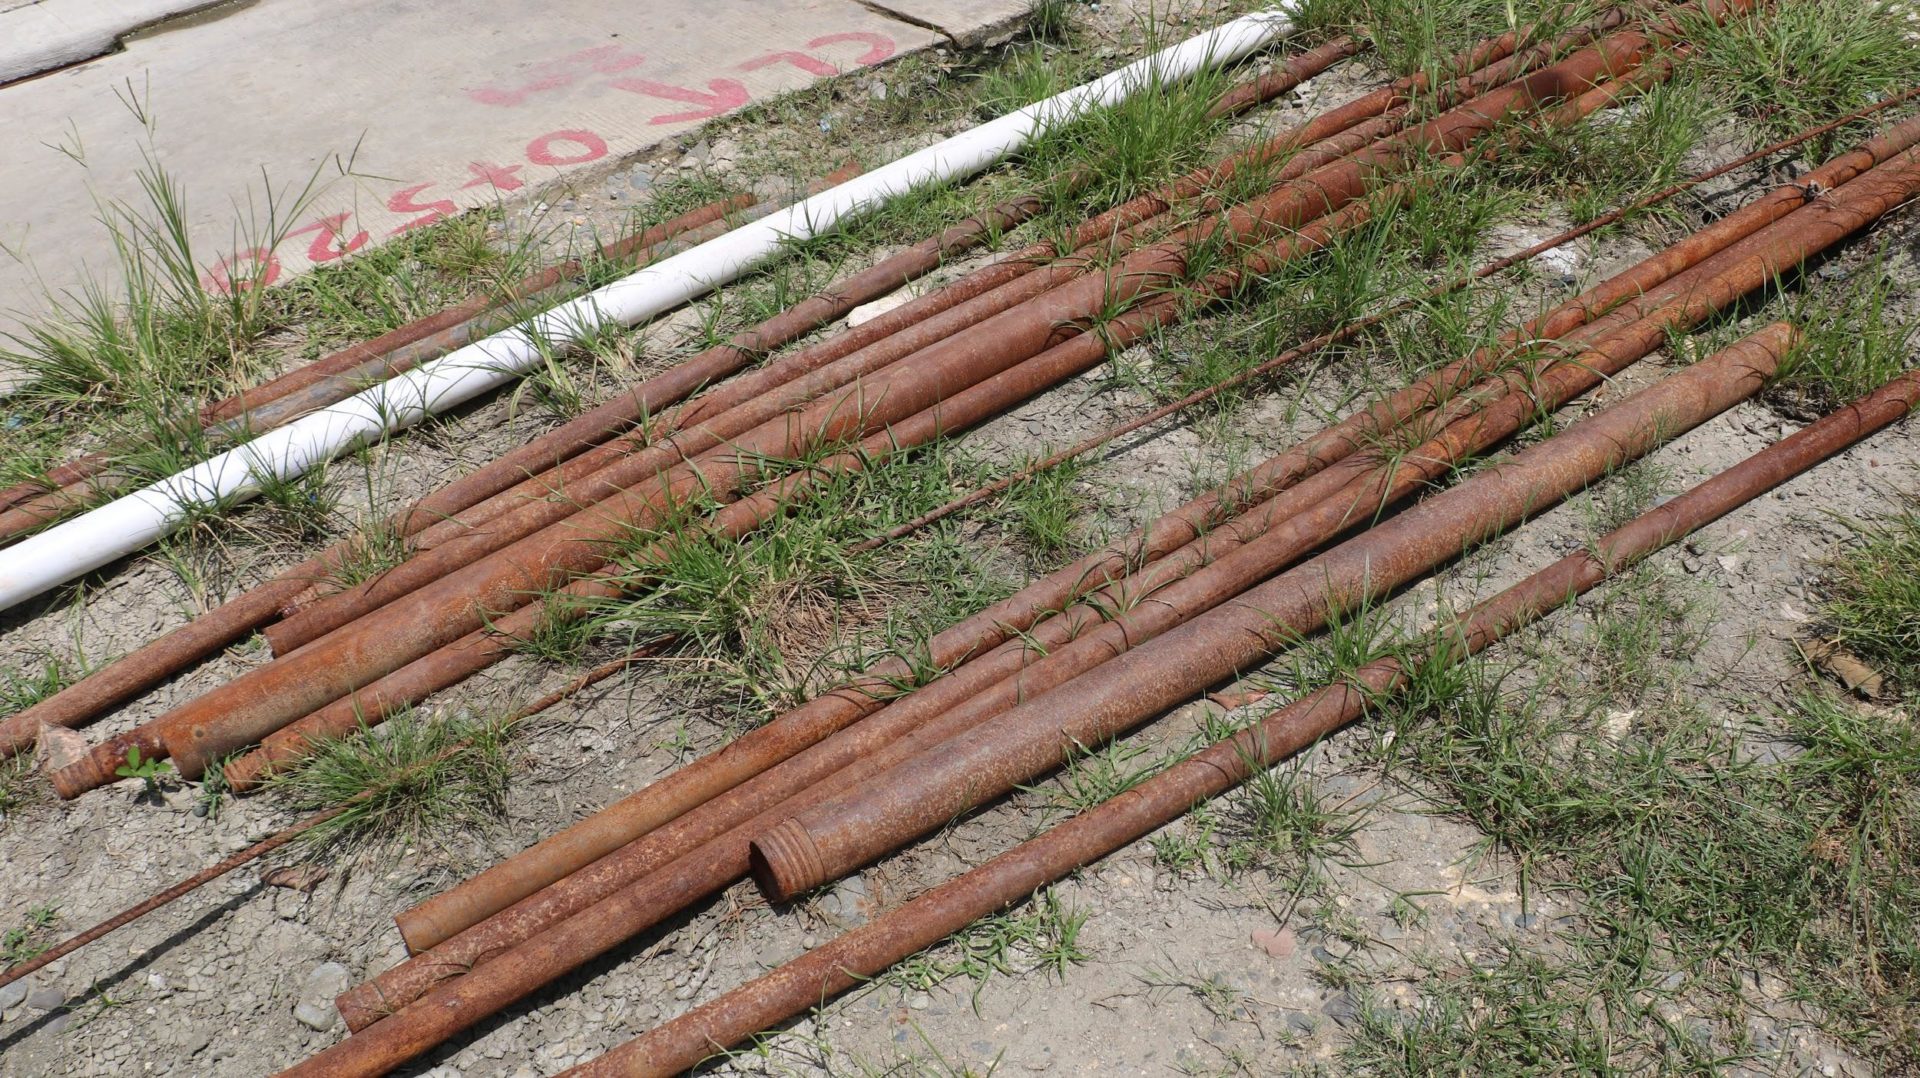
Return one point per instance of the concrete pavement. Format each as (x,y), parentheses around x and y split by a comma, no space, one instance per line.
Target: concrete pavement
(404,110)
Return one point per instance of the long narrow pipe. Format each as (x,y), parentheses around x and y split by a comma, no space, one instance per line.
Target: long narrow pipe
(706,424)
(964,698)
(130,523)
(599,835)
(864,953)
(1303,150)
(156,661)
(963,772)
(389,1044)
(1188,580)
(1895,140)
(330,668)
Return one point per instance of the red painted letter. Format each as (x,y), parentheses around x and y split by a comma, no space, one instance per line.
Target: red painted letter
(262,269)
(727,94)
(402,202)
(326,245)
(592,148)
(879,46)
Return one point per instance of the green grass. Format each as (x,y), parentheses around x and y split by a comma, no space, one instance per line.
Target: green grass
(427,779)
(1042,936)
(30,938)
(1789,66)
(1873,595)
(1857,337)
(21,688)
(1687,843)
(763,622)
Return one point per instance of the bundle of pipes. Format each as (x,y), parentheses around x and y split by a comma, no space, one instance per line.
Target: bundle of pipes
(337,376)
(521,878)
(1013,742)
(533,470)
(1002,358)
(846,810)
(1204,554)
(864,953)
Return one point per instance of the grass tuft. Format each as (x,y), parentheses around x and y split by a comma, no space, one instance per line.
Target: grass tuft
(1874,595)
(426,778)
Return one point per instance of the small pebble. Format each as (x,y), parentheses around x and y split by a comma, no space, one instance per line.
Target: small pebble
(1280,943)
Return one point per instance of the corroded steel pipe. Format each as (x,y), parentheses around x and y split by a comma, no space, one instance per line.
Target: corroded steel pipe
(742,804)
(1283,78)
(864,953)
(976,690)
(1346,130)
(155,662)
(981,688)
(438,918)
(264,700)
(458,1003)
(158,661)
(978,403)
(664,863)
(1081,352)
(963,772)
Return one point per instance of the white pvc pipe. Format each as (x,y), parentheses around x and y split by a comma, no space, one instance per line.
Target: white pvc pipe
(130,523)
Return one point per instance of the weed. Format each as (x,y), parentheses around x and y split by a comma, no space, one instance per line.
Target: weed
(1873,594)
(148,771)
(1046,510)
(1281,821)
(29,939)
(21,689)
(16,784)
(420,777)
(1795,65)
(1854,341)
(1096,775)
(1225,1001)
(1188,844)
(1043,936)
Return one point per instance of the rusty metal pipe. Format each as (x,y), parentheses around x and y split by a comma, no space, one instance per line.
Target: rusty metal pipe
(366,1004)
(1345,133)
(963,698)
(1077,354)
(597,836)
(455,604)
(849,758)
(369,1002)
(456,1004)
(864,953)
(951,703)
(162,661)
(961,773)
